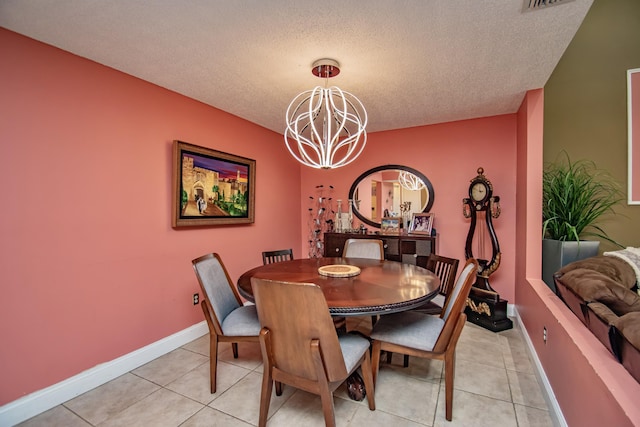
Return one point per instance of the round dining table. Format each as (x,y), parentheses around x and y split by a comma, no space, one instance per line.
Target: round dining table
(372,287)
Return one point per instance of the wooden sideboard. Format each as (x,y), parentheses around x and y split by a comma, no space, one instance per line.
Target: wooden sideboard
(407,248)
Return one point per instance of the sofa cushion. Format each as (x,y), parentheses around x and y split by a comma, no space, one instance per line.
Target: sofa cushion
(592,286)
(629,326)
(600,323)
(615,268)
(628,342)
(603,312)
(573,301)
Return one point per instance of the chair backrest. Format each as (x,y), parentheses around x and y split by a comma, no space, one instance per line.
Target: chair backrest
(446,269)
(216,287)
(363,248)
(269,257)
(291,330)
(452,311)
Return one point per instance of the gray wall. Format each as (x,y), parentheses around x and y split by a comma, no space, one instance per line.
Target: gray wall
(585,111)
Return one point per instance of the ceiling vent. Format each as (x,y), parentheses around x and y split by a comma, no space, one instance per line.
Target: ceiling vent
(542,4)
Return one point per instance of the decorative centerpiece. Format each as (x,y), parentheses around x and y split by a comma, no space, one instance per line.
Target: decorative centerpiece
(339,270)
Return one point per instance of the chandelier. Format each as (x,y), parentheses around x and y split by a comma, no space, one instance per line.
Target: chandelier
(326,126)
(410,181)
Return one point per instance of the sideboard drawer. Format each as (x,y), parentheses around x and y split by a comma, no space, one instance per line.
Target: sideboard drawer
(416,251)
(391,245)
(404,248)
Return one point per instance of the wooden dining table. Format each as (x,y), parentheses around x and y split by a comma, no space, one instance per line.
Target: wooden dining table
(380,287)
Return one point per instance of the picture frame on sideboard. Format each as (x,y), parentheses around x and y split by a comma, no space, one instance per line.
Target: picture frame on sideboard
(390,225)
(422,223)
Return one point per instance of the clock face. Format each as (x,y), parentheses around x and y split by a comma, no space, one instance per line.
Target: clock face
(479,191)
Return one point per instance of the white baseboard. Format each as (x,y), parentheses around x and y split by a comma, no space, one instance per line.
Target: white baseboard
(550,397)
(42,400)
(511,310)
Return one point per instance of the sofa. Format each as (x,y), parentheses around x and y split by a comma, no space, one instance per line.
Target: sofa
(602,291)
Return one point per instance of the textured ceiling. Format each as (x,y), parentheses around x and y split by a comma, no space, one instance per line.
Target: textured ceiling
(411,62)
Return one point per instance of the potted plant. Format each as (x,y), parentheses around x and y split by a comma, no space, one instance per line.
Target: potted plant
(575,197)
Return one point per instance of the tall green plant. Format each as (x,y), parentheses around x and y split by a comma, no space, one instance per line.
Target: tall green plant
(575,196)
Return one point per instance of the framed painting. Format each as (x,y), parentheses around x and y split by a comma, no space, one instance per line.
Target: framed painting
(211,187)
(422,223)
(390,225)
(633,123)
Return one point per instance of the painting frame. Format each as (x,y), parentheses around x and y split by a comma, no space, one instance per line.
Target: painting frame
(633,129)
(211,187)
(390,225)
(422,223)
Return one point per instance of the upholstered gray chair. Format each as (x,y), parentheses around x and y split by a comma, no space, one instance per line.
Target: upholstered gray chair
(228,319)
(446,269)
(427,336)
(363,248)
(300,346)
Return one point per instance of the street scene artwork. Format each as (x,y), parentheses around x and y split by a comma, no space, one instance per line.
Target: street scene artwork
(214,187)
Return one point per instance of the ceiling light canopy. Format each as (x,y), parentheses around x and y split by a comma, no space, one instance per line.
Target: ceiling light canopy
(326,126)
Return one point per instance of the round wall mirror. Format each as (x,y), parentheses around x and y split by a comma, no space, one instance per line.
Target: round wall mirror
(391,190)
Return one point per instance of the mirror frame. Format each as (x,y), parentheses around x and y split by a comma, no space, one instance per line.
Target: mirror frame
(420,175)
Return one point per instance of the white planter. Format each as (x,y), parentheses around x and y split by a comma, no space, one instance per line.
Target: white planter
(557,253)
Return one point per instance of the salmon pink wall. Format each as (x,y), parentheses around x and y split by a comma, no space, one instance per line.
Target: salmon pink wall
(449,154)
(591,388)
(90,268)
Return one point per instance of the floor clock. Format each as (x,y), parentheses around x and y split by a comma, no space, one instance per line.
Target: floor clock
(484,305)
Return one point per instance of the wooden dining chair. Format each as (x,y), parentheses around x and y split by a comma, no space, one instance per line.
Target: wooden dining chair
(300,346)
(423,335)
(228,319)
(446,269)
(269,257)
(363,248)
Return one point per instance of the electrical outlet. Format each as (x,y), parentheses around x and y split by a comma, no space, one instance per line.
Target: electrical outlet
(544,334)
(196,298)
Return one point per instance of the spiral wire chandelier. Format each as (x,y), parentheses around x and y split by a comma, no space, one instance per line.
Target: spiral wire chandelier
(410,181)
(325,126)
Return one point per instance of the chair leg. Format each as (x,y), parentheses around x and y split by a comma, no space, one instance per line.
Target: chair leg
(375,359)
(389,357)
(278,388)
(367,376)
(265,396)
(450,366)
(327,407)
(449,373)
(234,347)
(267,379)
(406,360)
(213,361)
(326,396)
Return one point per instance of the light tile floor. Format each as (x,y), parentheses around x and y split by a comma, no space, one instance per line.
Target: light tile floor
(495,385)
